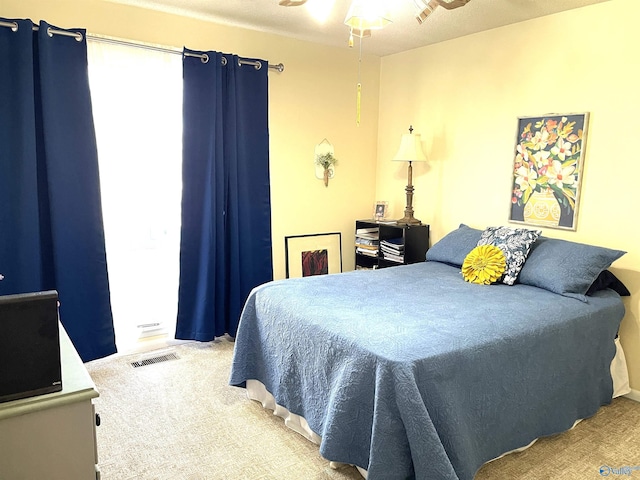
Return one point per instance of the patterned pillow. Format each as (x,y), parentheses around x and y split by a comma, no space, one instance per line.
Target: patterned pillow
(484,265)
(515,243)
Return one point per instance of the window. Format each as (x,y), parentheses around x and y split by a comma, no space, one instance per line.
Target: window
(137,107)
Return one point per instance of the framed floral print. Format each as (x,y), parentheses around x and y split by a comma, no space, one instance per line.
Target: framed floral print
(315,254)
(547,170)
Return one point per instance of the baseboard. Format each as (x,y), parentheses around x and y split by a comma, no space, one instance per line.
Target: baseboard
(147,344)
(633,395)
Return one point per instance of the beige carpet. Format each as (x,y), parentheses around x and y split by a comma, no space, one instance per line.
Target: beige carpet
(180,420)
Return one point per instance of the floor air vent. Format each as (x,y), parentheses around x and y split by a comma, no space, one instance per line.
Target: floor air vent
(152,360)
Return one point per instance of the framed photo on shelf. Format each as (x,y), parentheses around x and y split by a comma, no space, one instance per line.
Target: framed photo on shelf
(547,170)
(314,254)
(380,210)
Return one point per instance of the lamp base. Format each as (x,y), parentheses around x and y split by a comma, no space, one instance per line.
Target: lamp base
(409,221)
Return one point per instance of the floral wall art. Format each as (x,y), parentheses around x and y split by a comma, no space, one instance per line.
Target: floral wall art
(547,170)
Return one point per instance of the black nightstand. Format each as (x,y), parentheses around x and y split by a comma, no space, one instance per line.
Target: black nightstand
(380,245)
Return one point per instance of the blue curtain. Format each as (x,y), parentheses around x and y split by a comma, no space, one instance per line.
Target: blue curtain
(225,247)
(51,231)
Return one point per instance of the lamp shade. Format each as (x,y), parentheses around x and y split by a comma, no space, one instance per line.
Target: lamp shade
(367,15)
(410,149)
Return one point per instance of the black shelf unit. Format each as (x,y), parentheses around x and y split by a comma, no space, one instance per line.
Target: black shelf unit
(415,239)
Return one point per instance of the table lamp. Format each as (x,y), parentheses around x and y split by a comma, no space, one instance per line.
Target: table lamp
(410,151)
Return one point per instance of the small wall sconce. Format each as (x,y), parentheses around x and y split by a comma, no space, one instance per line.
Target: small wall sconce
(325,162)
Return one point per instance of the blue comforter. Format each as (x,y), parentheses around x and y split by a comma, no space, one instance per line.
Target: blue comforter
(410,372)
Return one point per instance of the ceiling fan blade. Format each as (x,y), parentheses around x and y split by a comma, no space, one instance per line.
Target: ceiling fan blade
(292,3)
(451,4)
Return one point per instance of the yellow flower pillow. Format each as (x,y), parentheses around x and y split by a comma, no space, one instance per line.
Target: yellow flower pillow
(484,265)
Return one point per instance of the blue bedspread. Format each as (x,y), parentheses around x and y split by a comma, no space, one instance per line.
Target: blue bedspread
(410,372)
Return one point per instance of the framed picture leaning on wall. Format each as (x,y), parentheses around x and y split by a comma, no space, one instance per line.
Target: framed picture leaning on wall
(314,254)
(547,170)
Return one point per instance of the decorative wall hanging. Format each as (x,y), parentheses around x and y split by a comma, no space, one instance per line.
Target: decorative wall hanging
(315,254)
(325,161)
(547,170)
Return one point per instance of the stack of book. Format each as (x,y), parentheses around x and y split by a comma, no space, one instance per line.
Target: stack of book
(393,249)
(373,267)
(367,241)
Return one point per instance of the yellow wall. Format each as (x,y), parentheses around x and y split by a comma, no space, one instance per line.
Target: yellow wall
(313,99)
(464,97)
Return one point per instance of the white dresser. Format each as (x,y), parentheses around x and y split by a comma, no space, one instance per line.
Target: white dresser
(52,436)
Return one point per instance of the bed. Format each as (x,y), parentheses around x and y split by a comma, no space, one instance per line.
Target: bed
(411,372)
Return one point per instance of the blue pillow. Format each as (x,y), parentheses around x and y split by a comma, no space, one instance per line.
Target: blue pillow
(454,246)
(607,279)
(564,267)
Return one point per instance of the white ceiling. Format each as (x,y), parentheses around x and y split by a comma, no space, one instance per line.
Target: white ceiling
(403,34)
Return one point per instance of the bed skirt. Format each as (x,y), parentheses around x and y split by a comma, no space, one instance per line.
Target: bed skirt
(257,391)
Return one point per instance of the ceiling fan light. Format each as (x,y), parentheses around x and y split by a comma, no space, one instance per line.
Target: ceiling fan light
(320,9)
(360,33)
(367,15)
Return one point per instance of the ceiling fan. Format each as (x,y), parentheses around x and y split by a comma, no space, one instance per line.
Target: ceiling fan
(448,4)
(363,17)
(425,7)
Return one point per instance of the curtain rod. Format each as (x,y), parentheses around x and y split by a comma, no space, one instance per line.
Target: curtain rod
(203,57)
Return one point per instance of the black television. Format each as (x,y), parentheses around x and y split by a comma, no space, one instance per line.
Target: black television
(29,345)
